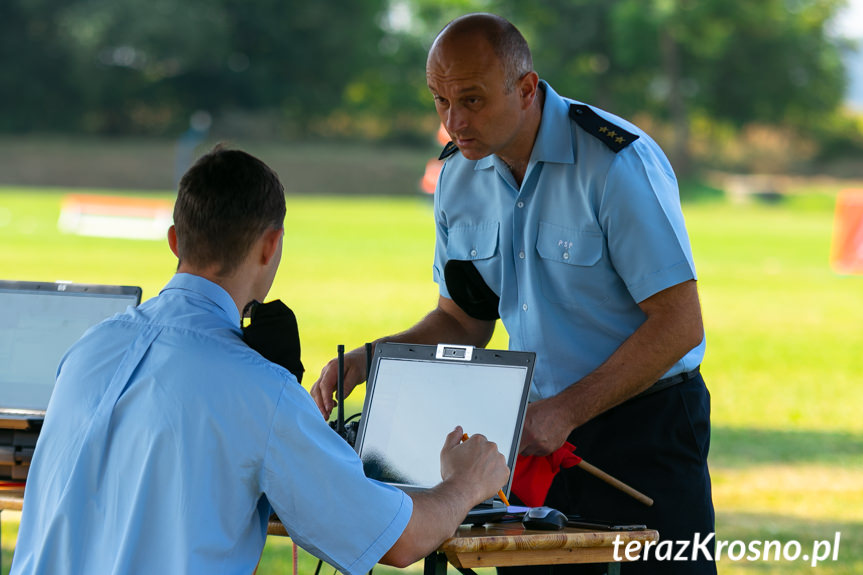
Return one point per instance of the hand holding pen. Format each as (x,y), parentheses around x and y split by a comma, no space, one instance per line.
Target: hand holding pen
(499,491)
(476,464)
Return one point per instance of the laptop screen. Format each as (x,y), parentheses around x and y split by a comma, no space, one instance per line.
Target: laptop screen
(38,323)
(414,399)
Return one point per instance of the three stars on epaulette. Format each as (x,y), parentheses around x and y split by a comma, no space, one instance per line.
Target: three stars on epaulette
(613,135)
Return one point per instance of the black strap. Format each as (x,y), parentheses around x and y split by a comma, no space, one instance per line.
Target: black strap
(469,291)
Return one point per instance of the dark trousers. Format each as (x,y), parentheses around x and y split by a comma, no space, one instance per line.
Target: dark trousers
(658,444)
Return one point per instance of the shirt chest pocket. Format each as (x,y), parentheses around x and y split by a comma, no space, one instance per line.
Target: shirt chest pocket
(571,269)
(568,245)
(471,243)
(477,244)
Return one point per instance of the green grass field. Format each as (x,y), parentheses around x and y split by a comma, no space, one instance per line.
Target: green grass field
(785,345)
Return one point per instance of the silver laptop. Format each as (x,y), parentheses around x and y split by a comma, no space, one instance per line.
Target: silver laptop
(39,321)
(417,394)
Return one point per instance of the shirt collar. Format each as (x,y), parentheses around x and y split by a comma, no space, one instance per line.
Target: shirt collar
(554,138)
(205,289)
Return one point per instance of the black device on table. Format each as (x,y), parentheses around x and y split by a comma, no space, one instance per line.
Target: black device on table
(550,519)
(544,519)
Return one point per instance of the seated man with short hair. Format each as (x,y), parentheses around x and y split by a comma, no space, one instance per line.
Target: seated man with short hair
(168,441)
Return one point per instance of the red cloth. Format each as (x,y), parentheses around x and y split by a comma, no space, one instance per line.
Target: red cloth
(534,474)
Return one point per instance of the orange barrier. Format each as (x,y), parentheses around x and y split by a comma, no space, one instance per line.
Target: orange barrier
(428,183)
(846,253)
(115,216)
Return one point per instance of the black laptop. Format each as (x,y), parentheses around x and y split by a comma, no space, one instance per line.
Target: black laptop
(417,394)
(39,321)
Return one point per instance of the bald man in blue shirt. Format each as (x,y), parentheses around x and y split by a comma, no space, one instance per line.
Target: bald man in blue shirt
(168,441)
(565,221)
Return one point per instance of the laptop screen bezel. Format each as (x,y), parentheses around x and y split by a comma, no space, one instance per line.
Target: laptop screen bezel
(416,352)
(72,288)
(132,293)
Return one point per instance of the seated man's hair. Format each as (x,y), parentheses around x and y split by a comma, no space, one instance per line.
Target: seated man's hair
(226,200)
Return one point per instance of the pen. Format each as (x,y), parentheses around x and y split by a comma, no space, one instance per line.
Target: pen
(499,491)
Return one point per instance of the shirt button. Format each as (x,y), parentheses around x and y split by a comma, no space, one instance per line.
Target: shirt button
(566,255)
(521,254)
(520,204)
(524,307)
(473,253)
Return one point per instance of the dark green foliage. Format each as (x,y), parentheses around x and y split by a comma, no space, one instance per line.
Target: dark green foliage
(135,66)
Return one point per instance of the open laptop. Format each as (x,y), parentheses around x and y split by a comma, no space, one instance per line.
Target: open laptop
(39,321)
(417,394)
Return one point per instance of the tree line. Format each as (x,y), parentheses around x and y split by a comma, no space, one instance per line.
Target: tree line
(356,67)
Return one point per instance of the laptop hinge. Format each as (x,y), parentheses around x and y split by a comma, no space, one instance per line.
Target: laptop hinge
(453,351)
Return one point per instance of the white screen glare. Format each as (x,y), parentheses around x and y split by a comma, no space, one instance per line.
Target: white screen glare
(416,404)
(36,329)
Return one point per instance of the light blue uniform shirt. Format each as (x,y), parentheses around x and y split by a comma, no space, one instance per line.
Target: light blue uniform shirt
(588,235)
(168,441)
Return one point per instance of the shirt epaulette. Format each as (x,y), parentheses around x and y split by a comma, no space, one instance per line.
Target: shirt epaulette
(612,136)
(448,151)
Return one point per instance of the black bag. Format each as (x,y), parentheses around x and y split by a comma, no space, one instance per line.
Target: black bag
(273,332)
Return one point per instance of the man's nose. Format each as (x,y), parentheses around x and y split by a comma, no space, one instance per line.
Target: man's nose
(456,120)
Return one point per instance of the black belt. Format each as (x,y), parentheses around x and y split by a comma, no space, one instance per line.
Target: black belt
(667,382)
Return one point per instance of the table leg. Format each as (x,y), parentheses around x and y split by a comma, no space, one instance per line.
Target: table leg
(435,564)
(613,568)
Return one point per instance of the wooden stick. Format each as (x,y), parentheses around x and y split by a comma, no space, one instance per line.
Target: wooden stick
(596,472)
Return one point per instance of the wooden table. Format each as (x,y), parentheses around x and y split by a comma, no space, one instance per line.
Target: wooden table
(493,545)
(11,499)
(509,544)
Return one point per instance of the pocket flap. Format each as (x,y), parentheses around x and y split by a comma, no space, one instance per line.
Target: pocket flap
(568,245)
(472,242)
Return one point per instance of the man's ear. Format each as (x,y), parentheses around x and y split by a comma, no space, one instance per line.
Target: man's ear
(172,240)
(527,86)
(271,244)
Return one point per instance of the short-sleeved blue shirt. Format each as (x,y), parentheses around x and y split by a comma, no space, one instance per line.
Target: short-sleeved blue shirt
(167,443)
(589,234)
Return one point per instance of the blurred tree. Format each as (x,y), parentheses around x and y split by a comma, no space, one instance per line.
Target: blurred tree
(300,56)
(141,66)
(114,66)
(771,61)
(36,86)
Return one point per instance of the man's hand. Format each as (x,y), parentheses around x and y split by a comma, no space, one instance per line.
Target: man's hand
(477,464)
(546,427)
(472,472)
(672,328)
(324,388)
